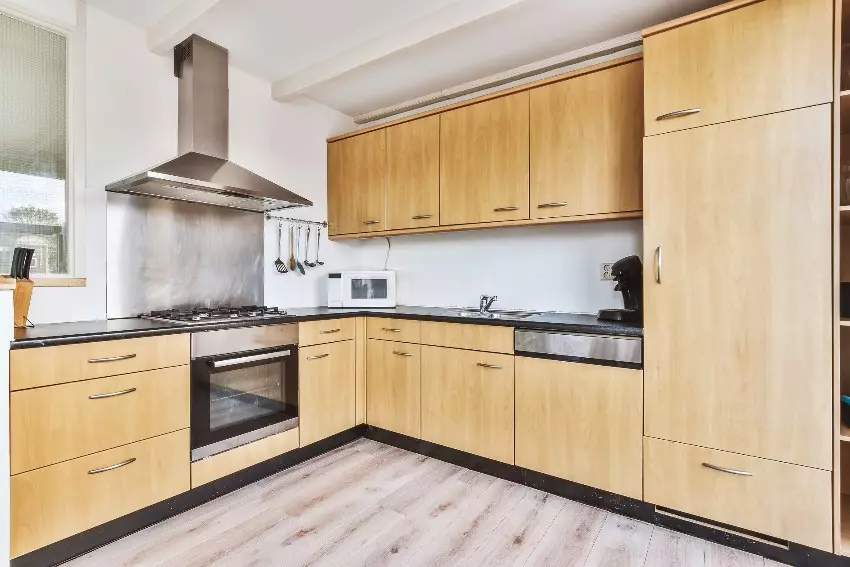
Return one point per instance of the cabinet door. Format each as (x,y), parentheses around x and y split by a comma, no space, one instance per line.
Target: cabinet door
(392,386)
(586,144)
(468,401)
(356,180)
(581,422)
(413,174)
(484,161)
(326,390)
(767,57)
(738,293)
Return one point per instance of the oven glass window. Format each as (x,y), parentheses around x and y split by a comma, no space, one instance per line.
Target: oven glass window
(245,394)
(369,288)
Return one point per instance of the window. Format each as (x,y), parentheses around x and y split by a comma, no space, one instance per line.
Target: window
(34,188)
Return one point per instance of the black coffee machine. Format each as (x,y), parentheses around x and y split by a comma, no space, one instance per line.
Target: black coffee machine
(628,273)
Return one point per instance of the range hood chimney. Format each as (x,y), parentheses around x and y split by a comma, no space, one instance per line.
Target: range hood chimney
(202,172)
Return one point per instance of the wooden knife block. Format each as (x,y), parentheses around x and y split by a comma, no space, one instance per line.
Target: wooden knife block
(21,301)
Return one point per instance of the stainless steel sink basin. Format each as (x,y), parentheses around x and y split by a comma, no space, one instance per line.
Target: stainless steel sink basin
(494,313)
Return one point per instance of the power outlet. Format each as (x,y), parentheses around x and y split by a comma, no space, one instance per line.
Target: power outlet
(605,272)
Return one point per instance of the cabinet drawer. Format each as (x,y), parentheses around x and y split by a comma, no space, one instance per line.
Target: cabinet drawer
(328,331)
(55,502)
(488,338)
(790,502)
(767,57)
(34,367)
(398,330)
(234,460)
(57,423)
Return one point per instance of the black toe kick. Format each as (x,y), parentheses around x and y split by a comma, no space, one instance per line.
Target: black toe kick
(781,551)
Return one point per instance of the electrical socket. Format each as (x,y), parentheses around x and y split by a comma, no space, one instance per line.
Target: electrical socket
(605,272)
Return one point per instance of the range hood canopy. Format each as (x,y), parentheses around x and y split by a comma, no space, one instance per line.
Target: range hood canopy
(202,173)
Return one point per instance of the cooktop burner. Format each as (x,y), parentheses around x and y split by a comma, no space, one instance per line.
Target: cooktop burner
(201,315)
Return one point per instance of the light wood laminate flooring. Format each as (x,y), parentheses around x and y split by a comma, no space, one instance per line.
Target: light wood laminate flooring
(372,504)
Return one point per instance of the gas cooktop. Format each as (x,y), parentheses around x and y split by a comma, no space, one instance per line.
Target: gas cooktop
(203,315)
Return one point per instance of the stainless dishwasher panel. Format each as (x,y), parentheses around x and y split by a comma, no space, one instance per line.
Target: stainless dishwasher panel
(601,349)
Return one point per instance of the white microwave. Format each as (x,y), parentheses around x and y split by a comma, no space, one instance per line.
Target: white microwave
(361,289)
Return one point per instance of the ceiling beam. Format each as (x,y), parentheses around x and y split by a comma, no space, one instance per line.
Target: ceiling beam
(453,16)
(177,25)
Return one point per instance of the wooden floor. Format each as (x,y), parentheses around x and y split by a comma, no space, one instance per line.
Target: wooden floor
(371,504)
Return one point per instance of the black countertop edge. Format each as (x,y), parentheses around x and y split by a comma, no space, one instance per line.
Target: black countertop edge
(56,334)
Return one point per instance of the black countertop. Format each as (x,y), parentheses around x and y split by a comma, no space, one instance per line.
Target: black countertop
(88,331)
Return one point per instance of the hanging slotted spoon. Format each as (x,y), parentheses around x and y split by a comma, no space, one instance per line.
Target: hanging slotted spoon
(298,263)
(279,265)
(307,261)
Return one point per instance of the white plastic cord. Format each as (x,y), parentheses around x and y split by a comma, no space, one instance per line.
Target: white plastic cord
(387,258)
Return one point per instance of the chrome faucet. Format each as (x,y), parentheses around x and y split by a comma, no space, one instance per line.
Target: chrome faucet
(487,302)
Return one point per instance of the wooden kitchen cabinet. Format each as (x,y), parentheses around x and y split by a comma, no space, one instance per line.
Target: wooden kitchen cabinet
(581,422)
(484,161)
(357,184)
(326,390)
(393,386)
(468,401)
(765,57)
(738,315)
(413,174)
(586,140)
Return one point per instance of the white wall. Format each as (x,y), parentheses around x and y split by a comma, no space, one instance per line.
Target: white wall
(552,268)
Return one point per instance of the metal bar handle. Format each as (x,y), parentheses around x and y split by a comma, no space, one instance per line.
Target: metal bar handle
(371,222)
(330,332)
(493,366)
(398,353)
(112,358)
(550,205)
(391,330)
(318,356)
(112,394)
(505,209)
(658,265)
(420,217)
(250,358)
(679,113)
(725,470)
(113,467)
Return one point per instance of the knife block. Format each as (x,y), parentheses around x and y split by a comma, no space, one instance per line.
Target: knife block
(21,301)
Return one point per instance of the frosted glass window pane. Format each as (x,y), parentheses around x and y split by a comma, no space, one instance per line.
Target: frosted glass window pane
(33,145)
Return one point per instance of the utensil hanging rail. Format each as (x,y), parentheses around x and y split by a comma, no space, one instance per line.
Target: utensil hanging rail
(287,219)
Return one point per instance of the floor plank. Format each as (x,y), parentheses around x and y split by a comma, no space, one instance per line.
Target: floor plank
(674,549)
(569,540)
(622,542)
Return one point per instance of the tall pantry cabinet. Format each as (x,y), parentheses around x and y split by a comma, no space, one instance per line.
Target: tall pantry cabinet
(739,403)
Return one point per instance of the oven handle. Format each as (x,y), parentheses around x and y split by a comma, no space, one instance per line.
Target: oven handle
(251,358)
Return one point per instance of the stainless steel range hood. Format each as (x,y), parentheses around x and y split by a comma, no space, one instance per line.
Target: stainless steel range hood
(202,173)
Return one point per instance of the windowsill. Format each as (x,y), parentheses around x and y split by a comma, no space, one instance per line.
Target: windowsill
(59,282)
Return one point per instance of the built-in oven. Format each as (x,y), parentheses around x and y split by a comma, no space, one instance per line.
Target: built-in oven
(244,386)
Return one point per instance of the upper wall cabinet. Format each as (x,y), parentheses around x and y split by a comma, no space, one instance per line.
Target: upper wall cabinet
(484,161)
(586,139)
(413,174)
(765,57)
(356,180)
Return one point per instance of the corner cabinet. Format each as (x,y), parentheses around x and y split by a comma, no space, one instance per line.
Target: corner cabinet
(356,179)
(326,390)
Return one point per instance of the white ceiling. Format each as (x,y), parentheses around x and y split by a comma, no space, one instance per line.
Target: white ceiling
(282,39)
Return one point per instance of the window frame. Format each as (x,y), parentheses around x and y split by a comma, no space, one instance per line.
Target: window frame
(75,192)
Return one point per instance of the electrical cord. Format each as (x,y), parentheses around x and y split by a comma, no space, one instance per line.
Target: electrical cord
(387,258)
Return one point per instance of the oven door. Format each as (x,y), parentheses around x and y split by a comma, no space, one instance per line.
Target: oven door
(241,397)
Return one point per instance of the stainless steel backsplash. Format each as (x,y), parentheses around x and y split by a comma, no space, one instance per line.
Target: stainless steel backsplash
(166,254)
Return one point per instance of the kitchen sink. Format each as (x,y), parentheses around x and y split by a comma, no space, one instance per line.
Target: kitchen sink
(494,313)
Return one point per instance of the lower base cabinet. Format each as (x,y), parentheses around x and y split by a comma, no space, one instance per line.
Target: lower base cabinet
(581,422)
(326,390)
(789,502)
(55,502)
(393,386)
(234,460)
(468,401)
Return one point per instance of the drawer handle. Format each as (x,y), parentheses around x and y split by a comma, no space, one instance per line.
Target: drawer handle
(112,394)
(493,366)
(112,358)
(550,205)
(332,331)
(398,353)
(371,222)
(318,356)
(505,209)
(679,113)
(729,471)
(421,217)
(113,467)
(391,330)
